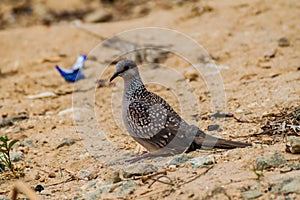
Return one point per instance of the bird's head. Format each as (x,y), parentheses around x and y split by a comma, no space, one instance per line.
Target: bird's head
(126,69)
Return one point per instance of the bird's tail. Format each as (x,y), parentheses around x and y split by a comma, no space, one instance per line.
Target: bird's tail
(204,141)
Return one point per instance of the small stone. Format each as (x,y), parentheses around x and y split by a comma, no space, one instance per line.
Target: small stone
(114,177)
(285,169)
(286,186)
(265,65)
(291,187)
(52,175)
(295,166)
(6,122)
(252,194)
(179,160)
(27,143)
(38,188)
(221,115)
(68,111)
(66,142)
(141,10)
(213,127)
(96,194)
(283,42)
(202,160)
(270,54)
(139,169)
(42,95)
(191,74)
(270,161)
(66,189)
(85,174)
(37,176)
(45,192)
(22,112)
(294,146)
(98,16)
(90,184)
(127,188)
(16,156)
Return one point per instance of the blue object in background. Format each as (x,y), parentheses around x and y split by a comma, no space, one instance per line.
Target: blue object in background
(76,72)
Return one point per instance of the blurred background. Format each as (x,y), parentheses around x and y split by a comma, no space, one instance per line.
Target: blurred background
(256,45)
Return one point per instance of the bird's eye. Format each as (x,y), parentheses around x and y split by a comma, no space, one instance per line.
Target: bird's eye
(126,68)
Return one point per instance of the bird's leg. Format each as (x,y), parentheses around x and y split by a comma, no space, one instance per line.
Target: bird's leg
(140,157)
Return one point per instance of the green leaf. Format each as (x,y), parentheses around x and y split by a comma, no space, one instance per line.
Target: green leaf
(12,144)
(4,139)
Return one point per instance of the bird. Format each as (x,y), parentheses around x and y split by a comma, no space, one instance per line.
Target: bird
(76,72)
(154,124)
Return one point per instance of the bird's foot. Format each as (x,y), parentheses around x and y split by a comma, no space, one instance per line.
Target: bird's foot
(138,158)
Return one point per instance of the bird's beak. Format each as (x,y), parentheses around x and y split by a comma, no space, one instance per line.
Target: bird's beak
(114,76)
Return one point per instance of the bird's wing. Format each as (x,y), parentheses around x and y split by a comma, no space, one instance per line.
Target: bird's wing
(157,126)
(148,118)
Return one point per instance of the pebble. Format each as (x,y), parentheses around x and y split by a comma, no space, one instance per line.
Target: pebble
(89,185)
(16,156)
(51,175)
(294,166)
(265,65)
(139,169)
(292,187)
(213,127)
(294,146)
(27,143)
(283,42)
(286,186)
(179,160)
(6,122)
(270,54)
(66,142)
(45,192)
(114,177)
(38,188)
(127,188)
(42,95)
(252,194)
(68,111)
(191,74)
(98,16)
(94,195)
(202,160)
(85,174)
(270,161)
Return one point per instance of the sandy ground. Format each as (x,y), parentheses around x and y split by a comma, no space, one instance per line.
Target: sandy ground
(238,34)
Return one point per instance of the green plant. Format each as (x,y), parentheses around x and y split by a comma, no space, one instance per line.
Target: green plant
(259,172)
(5,149)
